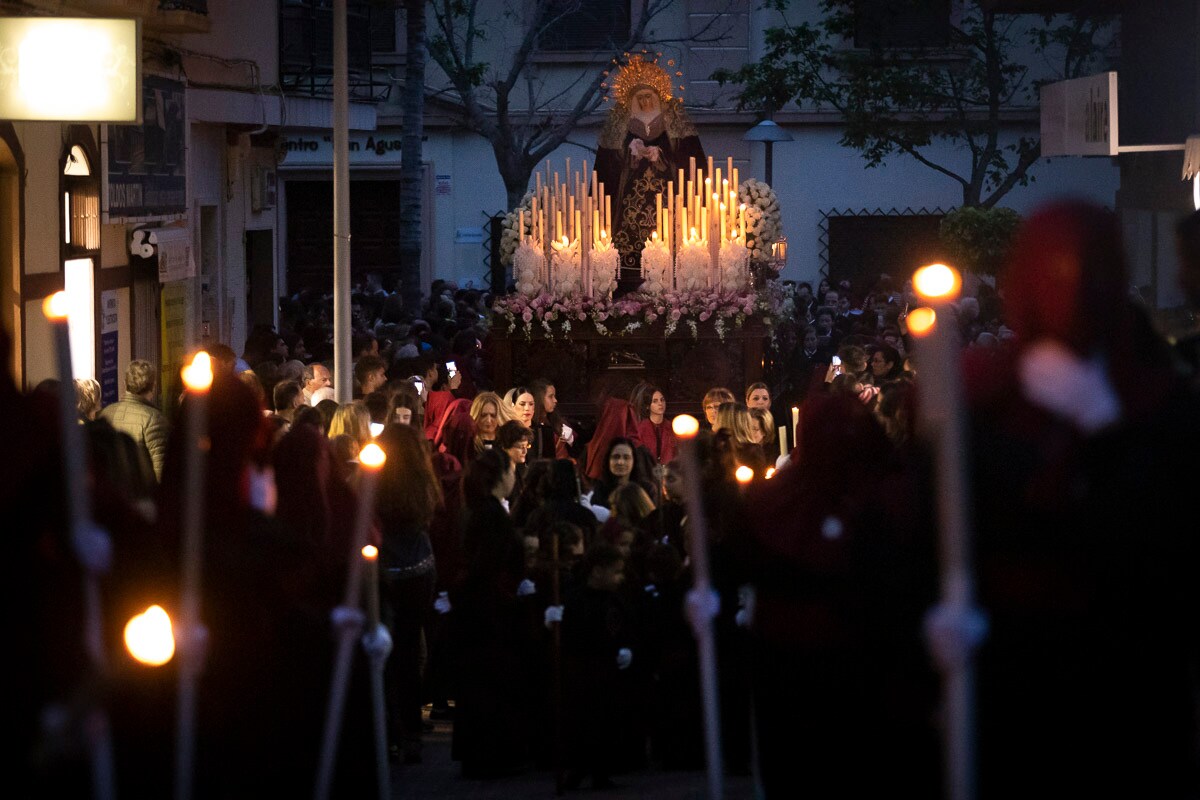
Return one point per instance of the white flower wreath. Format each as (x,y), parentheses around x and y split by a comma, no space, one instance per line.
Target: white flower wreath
(510,237)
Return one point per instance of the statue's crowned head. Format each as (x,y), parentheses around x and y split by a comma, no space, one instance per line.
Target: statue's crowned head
(642,89)
(638,76)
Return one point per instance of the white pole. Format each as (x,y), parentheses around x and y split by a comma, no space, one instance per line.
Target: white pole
(343,364)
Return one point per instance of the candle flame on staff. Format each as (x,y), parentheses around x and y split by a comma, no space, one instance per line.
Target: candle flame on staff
(685,426)
(937,282)
(921,321)
(56,307)
(198,375)
(743,474)
(149,638)
(370,552)
(770,473)
(372,456)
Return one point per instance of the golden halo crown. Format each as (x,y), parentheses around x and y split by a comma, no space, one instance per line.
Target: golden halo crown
(638,71)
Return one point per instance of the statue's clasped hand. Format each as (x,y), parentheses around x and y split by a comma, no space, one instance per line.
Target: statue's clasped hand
(639,150)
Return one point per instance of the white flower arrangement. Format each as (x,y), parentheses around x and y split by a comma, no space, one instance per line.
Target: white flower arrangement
(691,267)
(528,266)
(603,263)
(510,237)
(656,267)
(733,259)
(764,223)
(566,272)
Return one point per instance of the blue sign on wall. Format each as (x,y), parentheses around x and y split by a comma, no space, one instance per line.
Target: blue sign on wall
(109,347)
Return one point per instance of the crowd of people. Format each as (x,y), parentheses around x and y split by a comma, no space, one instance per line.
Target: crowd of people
(534,569)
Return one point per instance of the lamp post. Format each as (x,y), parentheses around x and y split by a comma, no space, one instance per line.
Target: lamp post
(768,133)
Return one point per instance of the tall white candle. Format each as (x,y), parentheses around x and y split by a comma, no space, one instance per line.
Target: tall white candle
(197,378)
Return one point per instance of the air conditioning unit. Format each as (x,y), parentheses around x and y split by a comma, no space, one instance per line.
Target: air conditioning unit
(262,189)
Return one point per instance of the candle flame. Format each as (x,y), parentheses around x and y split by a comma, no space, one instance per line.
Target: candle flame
(693,233)
(566,241)
(742,207)
(685,426)
(921,321)
(770,473)
(372,456)
(743,474)
(56,307)
(198,376)
(603,234)
(937,282)
(370,552)
(148,637)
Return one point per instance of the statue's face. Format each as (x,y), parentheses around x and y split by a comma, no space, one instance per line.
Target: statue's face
(646,100)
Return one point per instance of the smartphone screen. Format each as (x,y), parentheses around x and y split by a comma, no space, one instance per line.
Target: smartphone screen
(836,361)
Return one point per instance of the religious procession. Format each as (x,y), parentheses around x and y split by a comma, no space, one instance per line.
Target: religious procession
(652,512)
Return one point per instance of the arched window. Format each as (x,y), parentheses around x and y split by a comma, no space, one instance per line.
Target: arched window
(81,245)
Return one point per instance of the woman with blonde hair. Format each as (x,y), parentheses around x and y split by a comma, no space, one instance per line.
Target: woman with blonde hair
(735,419)
(354,420)
(489,413)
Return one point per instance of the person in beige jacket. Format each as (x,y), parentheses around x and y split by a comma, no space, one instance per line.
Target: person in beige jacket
(136,414)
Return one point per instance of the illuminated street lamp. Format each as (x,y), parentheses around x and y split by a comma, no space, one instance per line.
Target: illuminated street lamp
(70,69)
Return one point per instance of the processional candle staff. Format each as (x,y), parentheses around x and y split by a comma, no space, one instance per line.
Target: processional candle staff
(197,379)
(347,618)
(782,441)
(91,543)
(378,644)
(701,604)
(956,626)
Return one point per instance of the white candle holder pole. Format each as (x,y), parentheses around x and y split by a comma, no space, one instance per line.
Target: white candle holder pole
(701,604)
(348,617)
(197,378)
(91,543)
(955,627)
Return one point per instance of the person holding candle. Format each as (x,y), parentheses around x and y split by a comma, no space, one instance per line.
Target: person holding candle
(409,495)
(645,140)
(136,414)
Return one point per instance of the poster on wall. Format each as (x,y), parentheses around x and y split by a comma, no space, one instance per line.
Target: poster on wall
(145,166)
(109,346)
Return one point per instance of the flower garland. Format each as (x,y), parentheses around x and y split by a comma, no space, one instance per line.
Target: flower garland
(764,223)
(728,310)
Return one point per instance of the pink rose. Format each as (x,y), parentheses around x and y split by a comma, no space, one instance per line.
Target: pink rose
(582,316)
(527,316)
(650,318)
(675,314)
(704,315)
(602,316)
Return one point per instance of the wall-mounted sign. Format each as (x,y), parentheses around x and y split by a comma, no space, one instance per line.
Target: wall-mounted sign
(374,149)
(443,184)
(84,70)
(468,235)
(145,166)
(171,247)
(109,345)
(1079,116)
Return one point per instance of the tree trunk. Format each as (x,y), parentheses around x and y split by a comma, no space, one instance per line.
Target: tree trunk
(413,101)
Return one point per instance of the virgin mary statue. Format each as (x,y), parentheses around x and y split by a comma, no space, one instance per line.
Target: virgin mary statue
(646,140)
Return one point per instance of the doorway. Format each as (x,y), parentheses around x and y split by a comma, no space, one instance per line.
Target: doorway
(260,279)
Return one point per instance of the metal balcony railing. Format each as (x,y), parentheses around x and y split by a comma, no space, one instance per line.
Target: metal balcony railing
(306,49)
